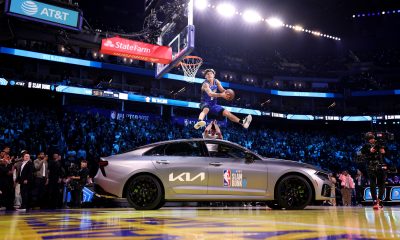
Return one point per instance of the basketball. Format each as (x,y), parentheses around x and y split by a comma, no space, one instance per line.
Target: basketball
(230,94)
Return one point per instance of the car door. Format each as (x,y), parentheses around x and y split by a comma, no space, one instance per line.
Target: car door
(231,174)
(182,166)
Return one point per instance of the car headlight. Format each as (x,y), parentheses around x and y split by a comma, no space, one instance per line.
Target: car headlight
(322,175)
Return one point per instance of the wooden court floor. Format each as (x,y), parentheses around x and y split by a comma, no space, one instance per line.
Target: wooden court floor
(204,223)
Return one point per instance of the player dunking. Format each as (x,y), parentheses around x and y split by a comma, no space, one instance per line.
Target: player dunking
(209,103)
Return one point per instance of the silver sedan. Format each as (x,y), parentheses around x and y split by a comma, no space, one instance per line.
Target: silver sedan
(209,170)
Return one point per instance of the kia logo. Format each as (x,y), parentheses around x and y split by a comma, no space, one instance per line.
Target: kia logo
(29,8)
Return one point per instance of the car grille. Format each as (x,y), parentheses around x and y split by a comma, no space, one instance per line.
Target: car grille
(326,190)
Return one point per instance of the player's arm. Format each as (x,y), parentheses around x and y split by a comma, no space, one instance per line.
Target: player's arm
(220,87)
(206,88)
(218,131)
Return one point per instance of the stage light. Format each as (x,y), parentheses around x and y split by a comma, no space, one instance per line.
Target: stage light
(275,22)
(226,10)
(201,4)
(383,12)
(297,28)
(354,16)
(251,16)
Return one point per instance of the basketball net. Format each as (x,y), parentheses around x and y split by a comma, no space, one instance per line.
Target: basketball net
(190,66)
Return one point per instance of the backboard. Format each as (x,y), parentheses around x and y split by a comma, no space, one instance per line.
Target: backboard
(178,32)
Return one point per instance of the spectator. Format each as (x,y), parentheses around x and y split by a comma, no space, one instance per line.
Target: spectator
(41,179)
(360,183)
(347,185)
(78,180)
(25,179)
(56,175)
(6,183)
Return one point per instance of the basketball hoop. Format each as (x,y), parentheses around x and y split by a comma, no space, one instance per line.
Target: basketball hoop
(190,66)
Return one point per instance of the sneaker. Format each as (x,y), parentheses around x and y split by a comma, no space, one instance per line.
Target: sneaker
(376,205)
(199,124)
(247,121)
(21,210)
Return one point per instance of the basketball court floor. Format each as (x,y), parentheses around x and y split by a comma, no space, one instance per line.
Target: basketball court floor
(204,223)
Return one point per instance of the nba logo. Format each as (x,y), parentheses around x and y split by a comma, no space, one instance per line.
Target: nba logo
(227,178)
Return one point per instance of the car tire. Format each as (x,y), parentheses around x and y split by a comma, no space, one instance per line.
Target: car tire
(273,205)
(293,192)
(144,192)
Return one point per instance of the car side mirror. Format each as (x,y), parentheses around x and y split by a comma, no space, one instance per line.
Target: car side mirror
(249,157)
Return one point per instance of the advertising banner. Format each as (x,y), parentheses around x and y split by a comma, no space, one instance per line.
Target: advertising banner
(136,50)
(45,13)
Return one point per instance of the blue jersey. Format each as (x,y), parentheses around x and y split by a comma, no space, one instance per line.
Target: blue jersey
(204,96)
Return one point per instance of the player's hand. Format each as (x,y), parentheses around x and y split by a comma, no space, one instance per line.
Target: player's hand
(372,150)
(223,95)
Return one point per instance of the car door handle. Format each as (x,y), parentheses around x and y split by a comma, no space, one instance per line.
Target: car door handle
(162,161)
(216,164)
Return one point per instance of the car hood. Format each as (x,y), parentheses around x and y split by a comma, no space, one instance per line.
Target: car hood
(290,163)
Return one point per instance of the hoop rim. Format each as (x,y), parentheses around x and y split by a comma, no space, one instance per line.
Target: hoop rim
(191,64)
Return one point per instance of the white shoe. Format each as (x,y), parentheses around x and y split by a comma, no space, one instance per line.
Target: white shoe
(21,210)
(247,121)
(199,124)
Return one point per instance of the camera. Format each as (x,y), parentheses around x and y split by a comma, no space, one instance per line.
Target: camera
(379,136)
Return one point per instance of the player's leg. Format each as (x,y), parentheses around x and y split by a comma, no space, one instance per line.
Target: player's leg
(204,112)
(244,122)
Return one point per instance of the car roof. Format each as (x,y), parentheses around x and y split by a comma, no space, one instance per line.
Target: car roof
(186,140)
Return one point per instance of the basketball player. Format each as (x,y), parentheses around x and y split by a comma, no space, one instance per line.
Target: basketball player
(209,103)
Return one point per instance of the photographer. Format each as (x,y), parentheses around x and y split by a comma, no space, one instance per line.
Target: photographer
(77,180)
(373,152)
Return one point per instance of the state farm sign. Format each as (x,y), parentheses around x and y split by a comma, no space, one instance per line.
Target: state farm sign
(136,50)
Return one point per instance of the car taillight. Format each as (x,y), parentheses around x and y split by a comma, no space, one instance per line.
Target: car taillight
(102,164)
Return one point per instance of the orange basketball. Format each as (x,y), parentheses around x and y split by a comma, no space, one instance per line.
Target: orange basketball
(230,94)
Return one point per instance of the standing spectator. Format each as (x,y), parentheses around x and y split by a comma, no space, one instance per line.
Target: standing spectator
(41,179)
(6,183)
(56,174)
(333,181)
(25,179)
(360,184)
(347,185)
(79,181)
(16,169)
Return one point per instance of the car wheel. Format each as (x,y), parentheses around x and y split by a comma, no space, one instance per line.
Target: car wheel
(273,205)
(294,193)
(144,192)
